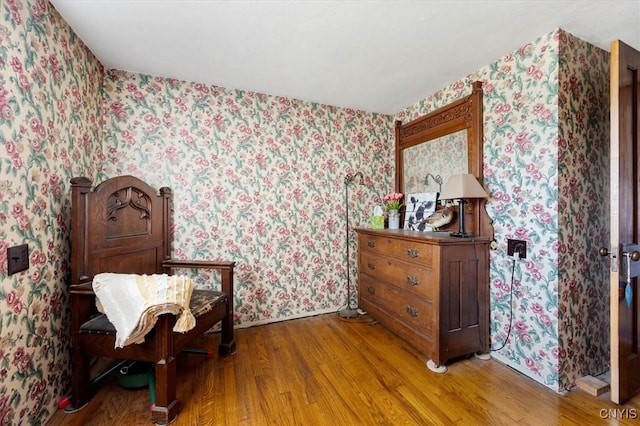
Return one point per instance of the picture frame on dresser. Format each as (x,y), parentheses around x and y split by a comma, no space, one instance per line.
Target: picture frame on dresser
(417,208)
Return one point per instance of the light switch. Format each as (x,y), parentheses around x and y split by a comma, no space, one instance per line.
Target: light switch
(18,258)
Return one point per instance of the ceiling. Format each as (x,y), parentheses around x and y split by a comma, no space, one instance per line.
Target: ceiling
(378,56)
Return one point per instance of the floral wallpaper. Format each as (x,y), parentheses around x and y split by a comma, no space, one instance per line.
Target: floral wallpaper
(50,105)
(583,203)
(545,167)
(257,179)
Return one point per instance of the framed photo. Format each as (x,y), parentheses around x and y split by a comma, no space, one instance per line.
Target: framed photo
(418,208)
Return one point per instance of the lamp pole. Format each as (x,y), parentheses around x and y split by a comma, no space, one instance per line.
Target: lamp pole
(349,312)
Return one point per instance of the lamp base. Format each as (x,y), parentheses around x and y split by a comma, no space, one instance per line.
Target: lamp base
(348,313)
(461,234)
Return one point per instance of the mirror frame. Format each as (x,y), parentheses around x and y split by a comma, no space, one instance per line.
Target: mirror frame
(465,113)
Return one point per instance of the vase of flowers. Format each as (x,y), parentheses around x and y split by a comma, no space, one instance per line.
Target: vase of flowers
(394,219)
(393,203)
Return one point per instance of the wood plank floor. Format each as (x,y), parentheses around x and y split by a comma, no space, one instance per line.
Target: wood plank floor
(328,370)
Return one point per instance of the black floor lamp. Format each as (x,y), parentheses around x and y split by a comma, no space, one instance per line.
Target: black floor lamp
(349,312)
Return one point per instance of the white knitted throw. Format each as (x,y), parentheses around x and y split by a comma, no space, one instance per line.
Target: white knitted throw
(133,303)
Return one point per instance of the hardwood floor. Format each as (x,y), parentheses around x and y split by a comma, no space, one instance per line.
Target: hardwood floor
(328,370)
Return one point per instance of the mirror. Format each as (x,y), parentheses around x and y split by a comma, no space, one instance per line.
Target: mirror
(443,143)
(447,155)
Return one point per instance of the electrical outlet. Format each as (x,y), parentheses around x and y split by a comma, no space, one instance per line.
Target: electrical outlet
(519,245)
(18,258)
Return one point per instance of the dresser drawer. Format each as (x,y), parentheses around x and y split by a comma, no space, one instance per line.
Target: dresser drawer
(406,250)
(408,276)
(415,312)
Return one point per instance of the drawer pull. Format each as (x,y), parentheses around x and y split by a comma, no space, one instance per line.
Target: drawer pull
(371,243)
(412,252)
(412,280)
(371,266)
(371,290)
(412,311)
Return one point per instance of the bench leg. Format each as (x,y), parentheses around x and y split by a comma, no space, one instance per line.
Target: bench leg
(227,341)
(166,408)
(81,389)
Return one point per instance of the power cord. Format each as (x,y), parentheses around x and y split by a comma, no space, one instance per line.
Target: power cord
(516,256)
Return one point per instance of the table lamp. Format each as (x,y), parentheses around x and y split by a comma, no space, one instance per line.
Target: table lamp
(462,187)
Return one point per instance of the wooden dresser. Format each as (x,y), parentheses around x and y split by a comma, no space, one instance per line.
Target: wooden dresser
(429,288)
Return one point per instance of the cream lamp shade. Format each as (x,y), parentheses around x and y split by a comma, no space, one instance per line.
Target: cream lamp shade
(462,186)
